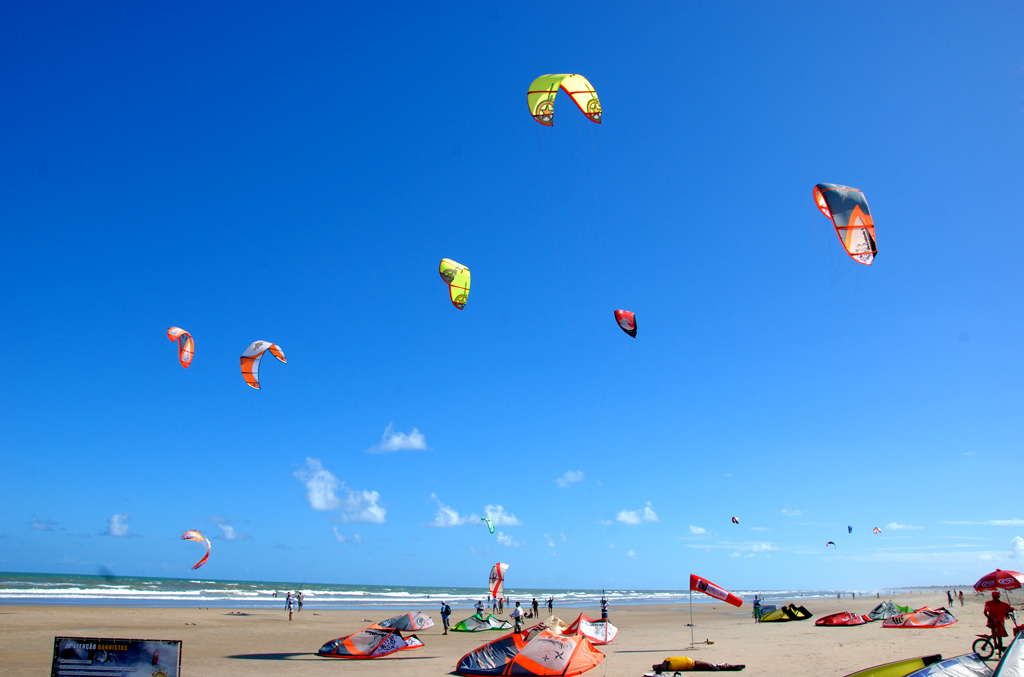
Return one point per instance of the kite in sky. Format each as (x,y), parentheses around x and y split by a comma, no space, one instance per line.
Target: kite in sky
(877,530)
(198,538)
(497,580)
(457,277)
(832,543)
(186,346)
(541,97)
(848,210)
(252,357)
(489,522)
(627,321)
(735,520)
(849,530)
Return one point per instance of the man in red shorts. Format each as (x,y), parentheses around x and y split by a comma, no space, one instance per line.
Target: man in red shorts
(996,612)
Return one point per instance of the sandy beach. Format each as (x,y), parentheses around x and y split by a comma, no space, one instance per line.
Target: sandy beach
(226,642)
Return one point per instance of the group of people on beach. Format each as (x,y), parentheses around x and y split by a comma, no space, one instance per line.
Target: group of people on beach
(518,613)
(291,601)
(953,595)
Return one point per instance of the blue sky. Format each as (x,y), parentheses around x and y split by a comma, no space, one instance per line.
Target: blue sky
(294,174)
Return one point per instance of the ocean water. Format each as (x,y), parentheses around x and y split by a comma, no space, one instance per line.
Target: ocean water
(64,589)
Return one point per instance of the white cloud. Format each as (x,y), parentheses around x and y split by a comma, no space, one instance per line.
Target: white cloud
(392,441)
(564,539)
(1017,547)
(217,519)
(500,517)
(791,513)
(646,514)
(118,525)
(895,526)
(504,539)
(569,478)
(448,517)
(994,523)
(341,538)
(551,543)
(734,554)
(605,522)
(762,547)
(699,531)
(759,528)
(42,525)
(229,534)
(356,538)
(321,492)
(320,485)
(630,554)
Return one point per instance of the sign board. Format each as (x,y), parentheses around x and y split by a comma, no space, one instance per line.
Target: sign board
(106,657)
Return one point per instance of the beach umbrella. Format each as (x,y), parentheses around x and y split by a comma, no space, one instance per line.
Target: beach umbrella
(1000,579)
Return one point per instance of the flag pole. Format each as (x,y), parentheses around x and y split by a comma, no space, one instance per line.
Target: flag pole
(691,618)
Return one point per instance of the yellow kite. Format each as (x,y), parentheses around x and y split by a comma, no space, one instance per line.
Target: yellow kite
(541,97)
(457,277)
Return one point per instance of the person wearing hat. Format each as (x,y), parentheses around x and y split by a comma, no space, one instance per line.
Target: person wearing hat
(996,611)
(446,612)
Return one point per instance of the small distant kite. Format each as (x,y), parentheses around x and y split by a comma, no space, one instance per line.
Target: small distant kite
(830,543)
(198,538)
(735,520)
(627,321)
(541,97)
(489,523)
(876,530)
(848,209)
(849,530)
(186,346)
(252,357)
(457,277)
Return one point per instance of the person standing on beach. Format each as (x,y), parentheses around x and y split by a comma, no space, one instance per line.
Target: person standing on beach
(949,598)
(536,608)
(501,605)
(480,608)
(996,612)
(517,617)
(961,599)
(757,610)
(289,605)
(288,600)
(494,605)
(551,605)
(446,611)
(604,608)
(298,597)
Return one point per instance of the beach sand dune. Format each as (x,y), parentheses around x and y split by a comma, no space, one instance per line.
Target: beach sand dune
(222,643)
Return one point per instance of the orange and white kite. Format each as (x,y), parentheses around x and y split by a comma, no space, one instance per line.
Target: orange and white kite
(198,538)
(186,346)
(252,357)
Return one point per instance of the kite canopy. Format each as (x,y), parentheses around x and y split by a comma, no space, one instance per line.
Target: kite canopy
(897,668)
(186,346)
(489,522)
(848,209)
(849,530)
(477,623)
(252,357)
(887,610)
(708,588)
(496,582)
(1001,579)
(842,618)
(876,530)
(598,632)
(786,614)
(414,620)
(547,653)
(925,617)
(456,276)
(1012,664)
(832,543)
(370,642)
(541,97)
(198,538)
(735,521)
(627,321)
(968,665)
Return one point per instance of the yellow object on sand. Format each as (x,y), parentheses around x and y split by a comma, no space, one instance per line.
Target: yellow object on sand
(679,663)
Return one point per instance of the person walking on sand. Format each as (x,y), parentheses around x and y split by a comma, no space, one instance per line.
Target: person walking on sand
(961,598)
(446,612)
(996,612)
(517,617)
(536,608)
(289,603)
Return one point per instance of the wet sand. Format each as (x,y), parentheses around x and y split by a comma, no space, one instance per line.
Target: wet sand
(222,643)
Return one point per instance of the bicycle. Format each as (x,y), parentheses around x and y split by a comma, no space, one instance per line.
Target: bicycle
(985,646)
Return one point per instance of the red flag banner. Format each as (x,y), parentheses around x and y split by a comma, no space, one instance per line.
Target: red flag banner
(708,588)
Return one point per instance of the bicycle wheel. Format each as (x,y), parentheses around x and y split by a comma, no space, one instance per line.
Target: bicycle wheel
(984,647)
